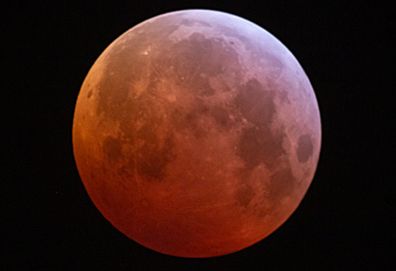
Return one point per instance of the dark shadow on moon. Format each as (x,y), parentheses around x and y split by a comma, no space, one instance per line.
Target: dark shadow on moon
(111,149)
(304,148)
(282,184)
(245,195)
(258,143)
(154,159)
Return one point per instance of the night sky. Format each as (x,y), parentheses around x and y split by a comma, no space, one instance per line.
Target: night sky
(346,217)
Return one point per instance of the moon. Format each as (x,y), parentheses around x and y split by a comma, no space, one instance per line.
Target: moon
(196,133)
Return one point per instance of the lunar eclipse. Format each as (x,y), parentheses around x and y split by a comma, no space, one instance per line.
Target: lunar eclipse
(196,133)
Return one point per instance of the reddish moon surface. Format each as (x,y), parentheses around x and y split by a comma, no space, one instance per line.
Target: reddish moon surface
(196,133)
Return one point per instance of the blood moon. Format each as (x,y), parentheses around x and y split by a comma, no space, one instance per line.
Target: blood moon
(196,133)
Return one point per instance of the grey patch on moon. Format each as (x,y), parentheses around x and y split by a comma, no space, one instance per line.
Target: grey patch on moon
(112,149)
(152,159)
(275,63)
(192,22)
(229,32)
(282,183)
(283,96)
(256,103)
(196,56)
(245,195)
(304,148)
(221,117)
(258,143)
(189,121)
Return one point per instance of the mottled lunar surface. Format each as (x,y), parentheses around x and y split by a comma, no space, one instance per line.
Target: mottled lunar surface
(196,133)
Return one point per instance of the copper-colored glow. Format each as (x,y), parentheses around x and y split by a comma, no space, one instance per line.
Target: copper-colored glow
(196,133)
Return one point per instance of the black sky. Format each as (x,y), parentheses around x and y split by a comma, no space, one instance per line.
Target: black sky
(346,218)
